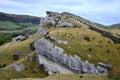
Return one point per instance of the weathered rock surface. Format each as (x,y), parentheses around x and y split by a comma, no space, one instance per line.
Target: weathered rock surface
(47,36)
(64,24)
(54,18)
(19,67)
(53,14)
(52,67)
(40,31)
(47,21)
(109,66)
(54,53)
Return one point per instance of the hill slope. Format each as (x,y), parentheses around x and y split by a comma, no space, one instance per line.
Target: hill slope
(13,22)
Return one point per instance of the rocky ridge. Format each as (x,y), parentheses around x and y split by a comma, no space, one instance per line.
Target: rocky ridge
(70,20)
(56,54)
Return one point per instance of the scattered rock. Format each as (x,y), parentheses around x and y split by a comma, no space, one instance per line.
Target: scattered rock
(108,66)
(19,67)
(18,37)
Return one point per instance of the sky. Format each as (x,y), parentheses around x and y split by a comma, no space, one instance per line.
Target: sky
(106,12)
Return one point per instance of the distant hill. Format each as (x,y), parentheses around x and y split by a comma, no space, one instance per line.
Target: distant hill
(101,25)
(115,26)
(14,22)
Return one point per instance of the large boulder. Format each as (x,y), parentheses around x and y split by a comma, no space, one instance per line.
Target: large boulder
(53,14)
(41,30)
(47,21)
(56,54)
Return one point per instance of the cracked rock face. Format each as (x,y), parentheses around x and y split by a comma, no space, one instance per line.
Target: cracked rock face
(54,18)
(56,54)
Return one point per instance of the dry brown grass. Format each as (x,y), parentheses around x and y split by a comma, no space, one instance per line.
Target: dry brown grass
(100,45)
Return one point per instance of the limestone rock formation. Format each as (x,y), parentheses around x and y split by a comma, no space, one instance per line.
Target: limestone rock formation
(41,30)
(54,53)
(64,24)
(109,66)
(53,14)
(55,19)
(47,21)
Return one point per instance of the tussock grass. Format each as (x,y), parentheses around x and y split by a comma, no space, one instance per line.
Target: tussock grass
(102,48)
(7,50)
(70,77)
(32,69)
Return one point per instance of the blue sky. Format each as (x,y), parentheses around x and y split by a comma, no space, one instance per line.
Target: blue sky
(106,12)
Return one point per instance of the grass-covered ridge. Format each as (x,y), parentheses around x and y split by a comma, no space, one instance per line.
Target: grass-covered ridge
(32,70)
(89,45)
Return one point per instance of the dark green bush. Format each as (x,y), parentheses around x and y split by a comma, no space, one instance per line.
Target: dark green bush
(32,46)
(87,38)
(5,38)
(90,49)
(15,57)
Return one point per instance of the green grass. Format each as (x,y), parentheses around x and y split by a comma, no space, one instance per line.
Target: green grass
(102,48)
(7,50)
(7,25)
(70,77)
(32,70)
(76,77)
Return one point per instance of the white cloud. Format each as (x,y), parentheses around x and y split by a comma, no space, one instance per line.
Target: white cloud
(102,11)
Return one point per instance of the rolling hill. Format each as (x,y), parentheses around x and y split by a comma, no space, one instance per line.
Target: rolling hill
(85,39)
(15,22)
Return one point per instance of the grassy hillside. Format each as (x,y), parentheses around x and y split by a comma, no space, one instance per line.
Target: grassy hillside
(16,22)
(7,25)
(70,77)
(32,70)
(115,31)
(115,26)
(12,25)
(84,43)
(6,36)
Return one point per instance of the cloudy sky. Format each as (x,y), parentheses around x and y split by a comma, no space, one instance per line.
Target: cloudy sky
(106,12)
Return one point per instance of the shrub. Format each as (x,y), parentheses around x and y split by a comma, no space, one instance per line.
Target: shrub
(4,65)
(5,38)
(15,57)
(108,51)
(109,42)
(90,49)
(32,46)
(87,38)
(0,66)
(93,37)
